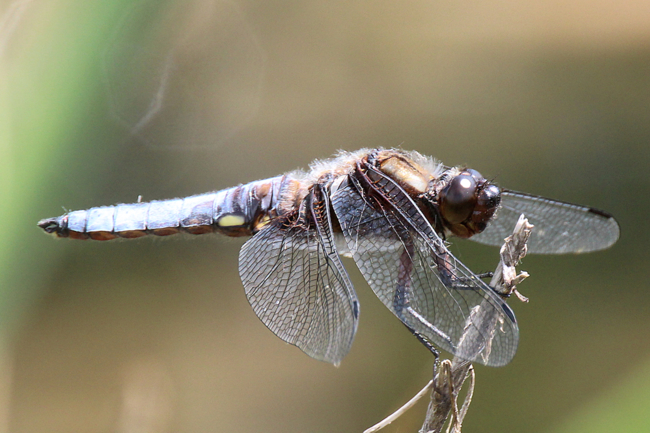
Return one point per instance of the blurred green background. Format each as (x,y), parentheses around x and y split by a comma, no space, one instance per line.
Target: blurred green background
(101,102)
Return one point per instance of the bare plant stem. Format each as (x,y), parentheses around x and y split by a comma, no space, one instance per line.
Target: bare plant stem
(449,376)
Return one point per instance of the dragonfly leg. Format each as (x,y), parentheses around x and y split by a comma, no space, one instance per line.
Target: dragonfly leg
(485,275)
(422,339)
(462,283)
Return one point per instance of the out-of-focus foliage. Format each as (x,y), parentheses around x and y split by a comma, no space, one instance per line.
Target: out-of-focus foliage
(621,407)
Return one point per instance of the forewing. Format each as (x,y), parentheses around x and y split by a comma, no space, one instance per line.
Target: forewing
(559,227)
(298,287)
(428,289)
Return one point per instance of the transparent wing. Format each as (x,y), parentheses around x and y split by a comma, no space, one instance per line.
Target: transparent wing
(297,286)
(559,227)
(428,289)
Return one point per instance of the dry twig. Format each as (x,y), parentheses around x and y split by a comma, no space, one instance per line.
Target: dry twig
(451,375)
(452,378)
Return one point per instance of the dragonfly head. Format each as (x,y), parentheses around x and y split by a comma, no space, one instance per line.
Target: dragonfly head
(467,203)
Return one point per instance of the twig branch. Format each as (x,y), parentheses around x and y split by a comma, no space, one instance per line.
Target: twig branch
(399,412)
(450,376)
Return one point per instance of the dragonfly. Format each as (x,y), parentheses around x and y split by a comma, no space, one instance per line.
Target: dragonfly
(392,211)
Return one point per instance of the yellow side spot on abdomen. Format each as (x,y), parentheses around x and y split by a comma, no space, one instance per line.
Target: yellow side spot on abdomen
(231,221)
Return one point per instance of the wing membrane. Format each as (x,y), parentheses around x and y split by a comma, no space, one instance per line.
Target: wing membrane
(297,286)
(559,227)
(428,289)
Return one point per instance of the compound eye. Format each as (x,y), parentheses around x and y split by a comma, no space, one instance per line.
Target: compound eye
(489,197)
(474,173)
(458,199)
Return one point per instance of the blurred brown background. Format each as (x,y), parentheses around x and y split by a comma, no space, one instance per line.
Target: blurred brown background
(103,101)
